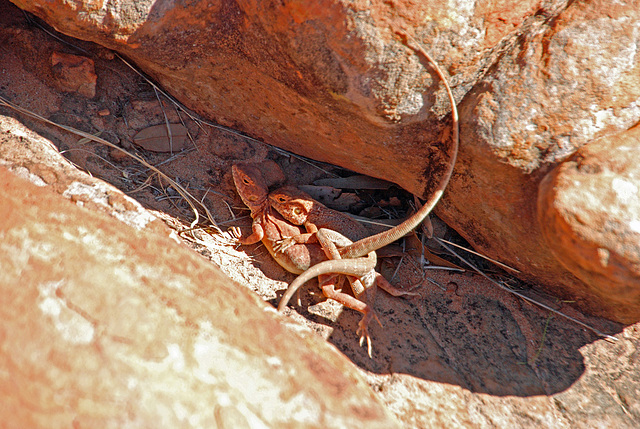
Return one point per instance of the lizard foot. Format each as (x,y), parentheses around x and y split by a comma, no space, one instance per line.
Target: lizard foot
(282,245)
(363,329)
(383,284)
(236,235)
(410,292)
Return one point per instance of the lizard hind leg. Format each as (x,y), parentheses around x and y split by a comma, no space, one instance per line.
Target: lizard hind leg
(332,240)
(328,289)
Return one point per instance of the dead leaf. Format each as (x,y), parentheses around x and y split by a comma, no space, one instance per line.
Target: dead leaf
(332,197)
(321,193)
(354,182)
(156,138)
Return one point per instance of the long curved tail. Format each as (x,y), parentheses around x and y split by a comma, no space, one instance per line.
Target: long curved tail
(357,267)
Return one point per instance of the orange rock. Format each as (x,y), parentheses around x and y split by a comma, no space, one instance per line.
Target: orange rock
(590,215)
(541,102)
(105,325)
(74,73)
(334,83)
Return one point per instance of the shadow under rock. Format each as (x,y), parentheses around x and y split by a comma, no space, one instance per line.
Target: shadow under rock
(477,337)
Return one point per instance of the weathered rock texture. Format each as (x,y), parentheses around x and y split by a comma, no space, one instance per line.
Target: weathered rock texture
(74,73)
(108,325)
(466,354)
(562,84)
(536,81)
(591,209)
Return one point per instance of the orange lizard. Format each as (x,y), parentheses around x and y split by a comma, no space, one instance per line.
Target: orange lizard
(299,208)
(271,228)
(351,262)
(267,227)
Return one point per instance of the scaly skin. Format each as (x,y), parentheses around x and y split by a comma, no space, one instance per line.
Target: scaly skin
(299,208)
(271,228)
(320,222)
(374,242)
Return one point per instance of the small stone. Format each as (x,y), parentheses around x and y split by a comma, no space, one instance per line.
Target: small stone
(117,155)
(74,73)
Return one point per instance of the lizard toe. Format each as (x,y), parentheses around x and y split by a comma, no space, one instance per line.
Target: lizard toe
(363,331)
(282,245)
(235,232)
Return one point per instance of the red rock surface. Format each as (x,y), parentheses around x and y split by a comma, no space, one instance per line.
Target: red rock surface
(591,209)
(334,83)
(545,98)
(464,354)
(74,73)
(107,326)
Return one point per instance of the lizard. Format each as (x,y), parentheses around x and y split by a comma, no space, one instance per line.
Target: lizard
(300,208)
(298,203)
(351,262)
(267,227)
(271,227)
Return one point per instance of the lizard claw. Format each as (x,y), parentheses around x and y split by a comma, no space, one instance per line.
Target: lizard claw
(411,294)
(282,245)
(364,333)
(236,234)
(363,330)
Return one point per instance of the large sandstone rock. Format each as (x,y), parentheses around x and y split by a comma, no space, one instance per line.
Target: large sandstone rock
(591,209)
(466,355)
(109,325)
(547,97)
(536,80)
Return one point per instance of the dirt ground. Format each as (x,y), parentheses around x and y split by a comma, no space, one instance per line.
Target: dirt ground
(462,331)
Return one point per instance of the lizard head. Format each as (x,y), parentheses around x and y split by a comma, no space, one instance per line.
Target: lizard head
(293,204)
(250,184)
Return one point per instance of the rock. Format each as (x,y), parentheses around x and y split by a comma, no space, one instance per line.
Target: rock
(466,355)
(548,96)
(590,217)
(107,325)
(336,84)
(74,73)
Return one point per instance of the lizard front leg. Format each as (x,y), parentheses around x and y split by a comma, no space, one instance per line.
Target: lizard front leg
(309,237)
(287,242)
(257,234)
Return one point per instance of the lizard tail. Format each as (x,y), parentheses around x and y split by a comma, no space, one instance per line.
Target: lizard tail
(377,241)
(357,267)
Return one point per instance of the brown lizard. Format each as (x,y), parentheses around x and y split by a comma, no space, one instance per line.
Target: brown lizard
(271,228)
(362,266)
(300,209)
(268,227)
